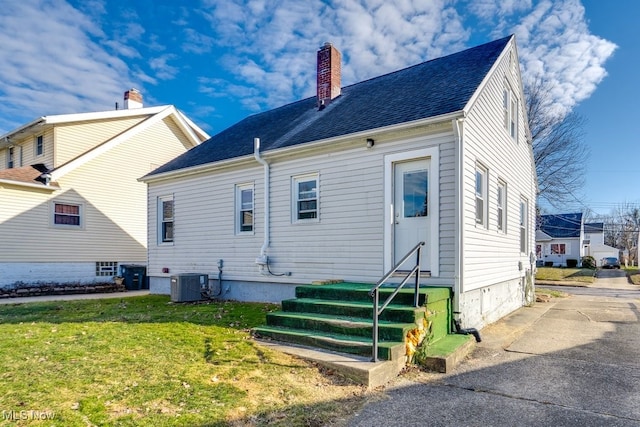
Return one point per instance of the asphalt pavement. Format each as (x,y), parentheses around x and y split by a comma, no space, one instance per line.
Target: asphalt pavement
(573,361)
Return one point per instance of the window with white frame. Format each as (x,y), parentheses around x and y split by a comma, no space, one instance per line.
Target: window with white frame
(501,204)
(481,195)
(67,215)
(510,110)
(305,197)
(11,155)
(244,208)
(39,146)
(558,248)
(524,225)
(165,219)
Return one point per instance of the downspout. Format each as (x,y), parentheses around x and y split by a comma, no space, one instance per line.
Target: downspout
(262,260)
(459,264)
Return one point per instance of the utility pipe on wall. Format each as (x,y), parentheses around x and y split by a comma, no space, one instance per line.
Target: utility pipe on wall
(262,259)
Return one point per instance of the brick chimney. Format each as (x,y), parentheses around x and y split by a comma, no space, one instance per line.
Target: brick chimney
(132,99)
(328,74)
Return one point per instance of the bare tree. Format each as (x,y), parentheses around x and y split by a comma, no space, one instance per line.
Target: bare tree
(621,229)
(558,148)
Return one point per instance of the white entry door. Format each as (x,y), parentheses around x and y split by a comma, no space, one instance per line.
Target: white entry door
(411,211)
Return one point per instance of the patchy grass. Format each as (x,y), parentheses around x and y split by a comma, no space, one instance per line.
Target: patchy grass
(633,274)
(583,275)
(144,361)
(551,292)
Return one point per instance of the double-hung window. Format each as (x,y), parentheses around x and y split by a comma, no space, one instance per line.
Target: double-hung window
(67,215)
(524,225)
(501,204)
(481,195)
(510,110)
(305,196)
(244,208)
(165,219)
(39,146)
(11,155)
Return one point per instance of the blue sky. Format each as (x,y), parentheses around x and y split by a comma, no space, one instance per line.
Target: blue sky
(221,60)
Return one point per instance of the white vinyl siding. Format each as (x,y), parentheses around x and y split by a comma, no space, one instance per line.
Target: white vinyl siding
(492,258)
(114,204)
(346,243)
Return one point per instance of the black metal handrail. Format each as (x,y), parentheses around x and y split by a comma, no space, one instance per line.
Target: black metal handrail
(375,292)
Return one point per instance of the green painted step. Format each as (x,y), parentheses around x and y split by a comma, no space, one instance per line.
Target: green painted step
(392,331)
(360,292)
(393,312)
(387,350)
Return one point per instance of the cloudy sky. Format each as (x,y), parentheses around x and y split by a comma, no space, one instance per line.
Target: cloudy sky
(221,60)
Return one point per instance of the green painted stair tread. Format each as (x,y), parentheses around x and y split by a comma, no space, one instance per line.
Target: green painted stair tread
(350,308)
(447,345)
(347,325)
(342,343)
(360,291)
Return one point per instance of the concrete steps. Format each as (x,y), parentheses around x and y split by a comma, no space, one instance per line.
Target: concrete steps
(335,320)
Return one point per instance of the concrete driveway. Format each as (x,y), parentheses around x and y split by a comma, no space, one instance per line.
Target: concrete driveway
(571,362)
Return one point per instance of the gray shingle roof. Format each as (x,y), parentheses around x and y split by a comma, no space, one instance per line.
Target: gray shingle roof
(562,225)
(440,86)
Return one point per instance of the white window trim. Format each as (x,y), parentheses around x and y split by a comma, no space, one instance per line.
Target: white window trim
(295,197)
(35,146)
(81,215)
(480,169)
(501,206)
(510,111)
(239,209)
(524,225)
(161,219)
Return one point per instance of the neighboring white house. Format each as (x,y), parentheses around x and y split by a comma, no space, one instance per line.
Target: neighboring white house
(559,238)
(71,206)
(593,243)
(344,184)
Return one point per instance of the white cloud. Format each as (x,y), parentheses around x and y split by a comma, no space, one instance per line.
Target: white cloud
(558,46)
(50,63)
(275,42)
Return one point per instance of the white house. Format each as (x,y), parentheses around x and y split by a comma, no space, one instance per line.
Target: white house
(342,185)
(559,238)
(71,207)
(594,243)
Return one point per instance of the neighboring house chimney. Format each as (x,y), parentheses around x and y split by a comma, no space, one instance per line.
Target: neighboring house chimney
(132,99)
(328,74)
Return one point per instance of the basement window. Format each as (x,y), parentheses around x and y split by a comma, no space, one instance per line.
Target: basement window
(106,268)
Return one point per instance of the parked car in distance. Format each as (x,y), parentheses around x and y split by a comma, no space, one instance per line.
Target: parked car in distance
(610,262)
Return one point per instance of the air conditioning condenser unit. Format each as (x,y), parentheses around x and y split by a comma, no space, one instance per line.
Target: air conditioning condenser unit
(188,287)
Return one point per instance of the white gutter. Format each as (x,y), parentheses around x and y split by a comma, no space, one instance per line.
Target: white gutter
(262,259)
(29,185)
(459,209)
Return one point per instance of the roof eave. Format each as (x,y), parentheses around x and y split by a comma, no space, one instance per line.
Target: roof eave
(29,185)
(179,173)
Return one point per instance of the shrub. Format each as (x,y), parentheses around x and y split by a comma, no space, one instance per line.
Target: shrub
(588,262)
(572,263)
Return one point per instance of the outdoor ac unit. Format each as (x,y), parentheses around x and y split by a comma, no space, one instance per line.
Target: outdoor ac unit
(188,287)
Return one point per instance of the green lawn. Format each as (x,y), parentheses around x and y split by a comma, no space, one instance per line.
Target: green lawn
(144,361)
(583,275)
